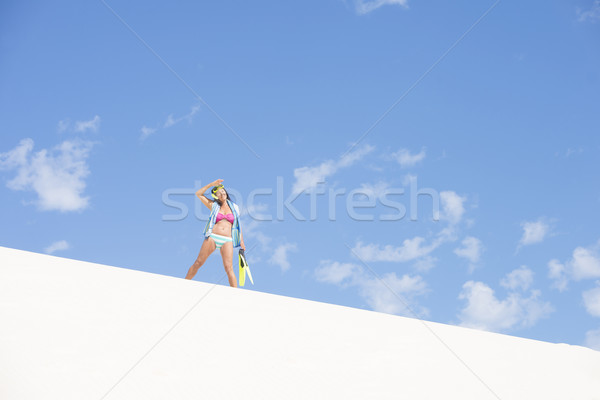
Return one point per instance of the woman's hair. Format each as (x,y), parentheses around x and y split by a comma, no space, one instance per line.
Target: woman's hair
(214,191)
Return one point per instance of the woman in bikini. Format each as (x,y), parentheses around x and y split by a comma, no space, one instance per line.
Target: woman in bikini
(222,230)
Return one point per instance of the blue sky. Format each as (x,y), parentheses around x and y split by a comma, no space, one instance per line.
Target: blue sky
(437,159)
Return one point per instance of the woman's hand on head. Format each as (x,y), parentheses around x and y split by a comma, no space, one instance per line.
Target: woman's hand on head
(217,182)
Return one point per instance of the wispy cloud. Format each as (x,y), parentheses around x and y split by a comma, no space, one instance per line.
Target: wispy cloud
(171,121)
(483,310)
(471,250)
(60,245)
(280,256)
(379,296)
(592,14)
(382,297)
(256,240)
(571,151)
(406,159)
(409,250)
(425,263)
(375,190)
(592,339)
(338,273)
(308,178)
(453,207)
(92,125)
(257,211)
(591,300)
(584,264)
(557,272)
(187,117)
(57,175)
(146,132)
(520,278)
(366,6)
(418,248)
(63,125)
(534,232)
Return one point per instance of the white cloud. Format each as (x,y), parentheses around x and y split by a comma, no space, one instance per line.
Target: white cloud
(591,299)
(257,242)
(584,264)
(79,126)
(419,249)
(415,248)
(309,177)
(187,117)
(395,295)
(252,229)
(374,191)
(146,132)
(471,250)
(63,125)
(17,156)
(57,246)
(520,278)
(257,211)
(425,263)
(280,256)
(556,271)
(337,273)
(484,311)
(593,14)
(533,232)
(366,6)
(91,125)
(448,234)
(571,151)
(262,239)
(57,176)
(169,122)
(350,158)
(406,159)
(452,206)
(409,179)
(410,249)
(592,339)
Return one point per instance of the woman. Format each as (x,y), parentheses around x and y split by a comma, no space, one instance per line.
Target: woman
(222,230)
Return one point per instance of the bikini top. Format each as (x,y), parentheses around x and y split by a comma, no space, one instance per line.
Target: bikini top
(228,217)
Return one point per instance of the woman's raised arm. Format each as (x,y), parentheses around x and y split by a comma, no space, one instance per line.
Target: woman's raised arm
(200,193)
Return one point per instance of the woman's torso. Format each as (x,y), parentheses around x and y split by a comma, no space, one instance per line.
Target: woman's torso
(223,226)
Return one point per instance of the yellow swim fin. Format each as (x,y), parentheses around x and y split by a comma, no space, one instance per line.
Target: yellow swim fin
(242,262)
(244,268)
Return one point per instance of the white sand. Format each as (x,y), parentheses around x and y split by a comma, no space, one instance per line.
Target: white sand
(77,330)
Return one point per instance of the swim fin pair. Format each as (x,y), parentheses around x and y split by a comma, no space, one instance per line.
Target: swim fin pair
(244,268)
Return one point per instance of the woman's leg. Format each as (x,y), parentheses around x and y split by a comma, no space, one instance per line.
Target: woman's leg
(208,246)
(227,255)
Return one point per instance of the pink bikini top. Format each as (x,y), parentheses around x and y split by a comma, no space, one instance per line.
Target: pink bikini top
(228,217)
